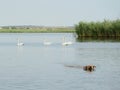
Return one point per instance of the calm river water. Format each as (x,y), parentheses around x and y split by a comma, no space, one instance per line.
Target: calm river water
(36,66)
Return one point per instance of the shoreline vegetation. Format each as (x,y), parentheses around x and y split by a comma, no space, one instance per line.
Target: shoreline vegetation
(104,29)
(36,29)
(82,30)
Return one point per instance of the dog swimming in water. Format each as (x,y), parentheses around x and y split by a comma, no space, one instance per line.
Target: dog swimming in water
(88,68)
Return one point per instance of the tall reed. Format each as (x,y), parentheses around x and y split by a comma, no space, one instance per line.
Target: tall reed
(106,28)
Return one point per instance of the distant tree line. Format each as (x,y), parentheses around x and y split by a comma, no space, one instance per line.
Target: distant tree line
(106,28)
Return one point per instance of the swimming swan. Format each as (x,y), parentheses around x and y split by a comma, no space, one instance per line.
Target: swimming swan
(65,43)
(47,42)
(19,43)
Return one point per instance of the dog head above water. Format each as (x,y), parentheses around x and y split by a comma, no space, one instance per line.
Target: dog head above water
(89,68)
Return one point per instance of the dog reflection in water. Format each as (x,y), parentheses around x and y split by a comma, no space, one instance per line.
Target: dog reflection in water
(88,68)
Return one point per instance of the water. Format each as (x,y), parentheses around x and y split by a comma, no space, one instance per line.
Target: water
(35,66)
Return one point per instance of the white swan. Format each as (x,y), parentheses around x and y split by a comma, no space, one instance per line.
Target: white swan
(65,43)
(19,43)
(47,42)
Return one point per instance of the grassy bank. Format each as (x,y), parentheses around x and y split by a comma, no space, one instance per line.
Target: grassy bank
(39,30)
(106,28)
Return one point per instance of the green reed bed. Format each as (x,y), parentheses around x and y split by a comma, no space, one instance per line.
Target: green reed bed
(106,28)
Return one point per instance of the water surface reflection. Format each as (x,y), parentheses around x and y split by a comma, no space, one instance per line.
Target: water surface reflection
(36,66)
(98,39)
